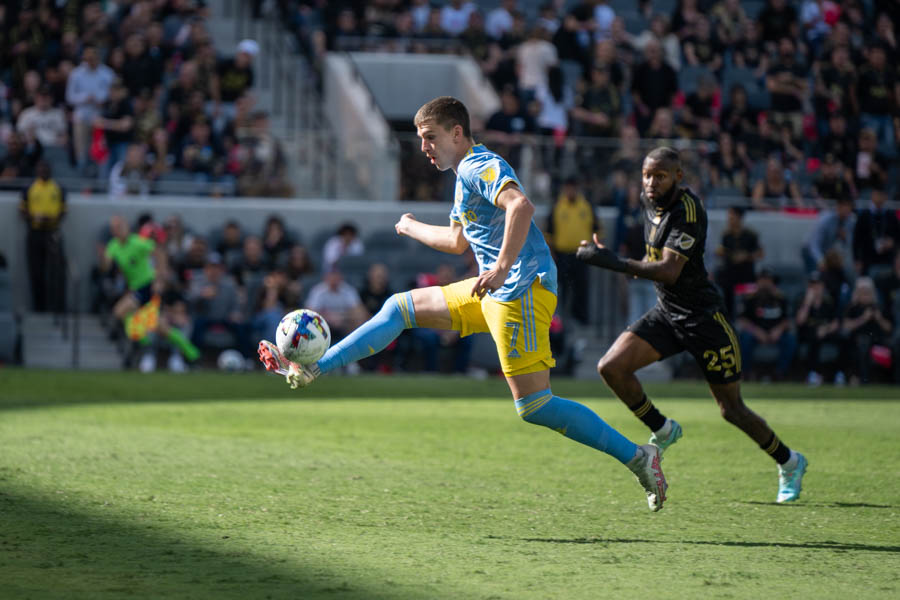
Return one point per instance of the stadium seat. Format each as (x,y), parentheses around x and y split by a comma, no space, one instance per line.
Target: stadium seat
(59,161)
(635,22)
(354,268)
(386,240)
(9,332)
(752,8)
(689,78)
(665,7)
(5,291)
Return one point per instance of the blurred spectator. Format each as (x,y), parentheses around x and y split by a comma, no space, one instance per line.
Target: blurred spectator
(833,229)
(701,48)
(213,298)
(654,85)
(345,242)
(832,182)
(573,44)
(500,19)
(86,91)
(117,122)
(338,302)
(865,326)
(889,290)
(264,167)
(194,260)
(250,268)
(787,85)
(534,57)
(737,117)
(276,241)
(779,21)
(132,174)
(660,33)
(878,97)
(697,113)
(146,118)
(839,142)
(142,71)
(739,250)
(662,127)
(556,100)
(298,263)
(234,77)
(775,190)
(571,220)
(231,244)
(270,302)
(729,165)
(871,167)
(44,122)
(43,207)
(201,155)
(817,325)
(750,52)
(21,156)
(178,239)
(455,16)
(506,128)
(603,19)
(876,236)
(835,86)
(765,320)
(629,242)
(599,110)
(684,18)
(729,17)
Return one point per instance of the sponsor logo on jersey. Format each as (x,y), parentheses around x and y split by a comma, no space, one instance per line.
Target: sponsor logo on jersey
(488,175)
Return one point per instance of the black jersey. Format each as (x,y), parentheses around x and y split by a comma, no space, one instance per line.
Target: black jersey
(681,227)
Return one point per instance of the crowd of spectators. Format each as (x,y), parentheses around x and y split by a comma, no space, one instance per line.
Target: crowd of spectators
(760,94)
(228,287)
(130,94)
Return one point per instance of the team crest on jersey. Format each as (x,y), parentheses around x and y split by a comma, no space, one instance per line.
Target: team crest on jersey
(685,242)
(488,175)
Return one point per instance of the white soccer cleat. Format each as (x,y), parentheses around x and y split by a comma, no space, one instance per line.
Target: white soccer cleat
(665,437)
(646,468)
(790,480)
(301,375)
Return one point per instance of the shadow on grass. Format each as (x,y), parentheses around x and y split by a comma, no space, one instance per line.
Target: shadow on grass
(823,504)
(806,546)
(48,549)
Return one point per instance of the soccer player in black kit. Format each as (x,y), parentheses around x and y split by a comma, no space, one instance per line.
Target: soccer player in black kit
(688,316)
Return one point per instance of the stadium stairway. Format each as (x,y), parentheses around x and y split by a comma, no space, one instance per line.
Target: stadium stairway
(45,344)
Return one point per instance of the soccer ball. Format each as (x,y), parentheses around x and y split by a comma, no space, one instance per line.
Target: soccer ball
(303,336)
(230,360)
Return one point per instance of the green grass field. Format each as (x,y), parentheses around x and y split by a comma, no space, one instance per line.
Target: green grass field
(232,486)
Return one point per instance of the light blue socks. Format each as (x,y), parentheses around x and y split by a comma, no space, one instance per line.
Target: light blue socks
(374,335)
(575,421)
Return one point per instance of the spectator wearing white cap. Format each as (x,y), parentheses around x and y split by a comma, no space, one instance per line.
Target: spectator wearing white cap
(234,77)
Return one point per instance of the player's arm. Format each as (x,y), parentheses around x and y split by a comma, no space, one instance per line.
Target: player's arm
(447,239)
(519,212)
(666,270)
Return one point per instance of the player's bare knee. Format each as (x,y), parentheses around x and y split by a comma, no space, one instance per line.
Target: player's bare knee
(610,368)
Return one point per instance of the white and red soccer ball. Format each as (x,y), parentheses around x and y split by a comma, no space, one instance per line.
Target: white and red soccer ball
(303,336)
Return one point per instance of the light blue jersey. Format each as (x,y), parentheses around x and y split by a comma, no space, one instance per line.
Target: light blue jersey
(481,175)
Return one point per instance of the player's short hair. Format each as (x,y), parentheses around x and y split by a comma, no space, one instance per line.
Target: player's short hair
(447,112)
(665,154)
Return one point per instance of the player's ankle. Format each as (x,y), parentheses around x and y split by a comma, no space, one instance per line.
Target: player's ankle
(665,430)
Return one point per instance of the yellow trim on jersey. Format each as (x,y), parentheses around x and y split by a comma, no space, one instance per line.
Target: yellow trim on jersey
(503,183)
(736,347)
(676,252)
(404,310)
(690,208)
(471,149)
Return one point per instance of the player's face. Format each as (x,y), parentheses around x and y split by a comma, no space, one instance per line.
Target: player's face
(437,144)
(658,178)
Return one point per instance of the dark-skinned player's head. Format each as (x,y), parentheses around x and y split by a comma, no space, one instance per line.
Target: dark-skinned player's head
(661,174)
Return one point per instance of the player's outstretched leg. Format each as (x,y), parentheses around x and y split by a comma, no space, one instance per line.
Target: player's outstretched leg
(373,336)
(617,368)
(791,465)
(578,422)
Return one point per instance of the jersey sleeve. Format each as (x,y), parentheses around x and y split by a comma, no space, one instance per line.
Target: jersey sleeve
(683,235)
(488,178)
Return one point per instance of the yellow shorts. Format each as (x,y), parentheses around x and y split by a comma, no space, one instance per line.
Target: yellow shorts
(520,327)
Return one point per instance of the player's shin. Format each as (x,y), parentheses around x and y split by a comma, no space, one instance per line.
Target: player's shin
(373,336)
(575,421)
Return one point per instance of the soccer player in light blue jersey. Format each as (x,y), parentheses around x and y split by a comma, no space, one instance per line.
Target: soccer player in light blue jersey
(513,297)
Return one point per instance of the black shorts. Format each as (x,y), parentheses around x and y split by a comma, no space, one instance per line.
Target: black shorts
(143,295)
(706,335)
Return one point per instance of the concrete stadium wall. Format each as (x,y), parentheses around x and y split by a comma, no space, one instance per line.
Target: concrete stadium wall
(781,235)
